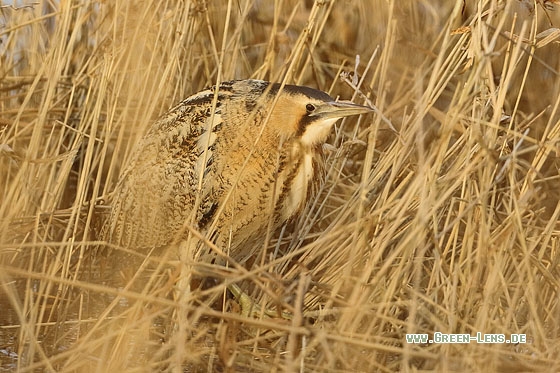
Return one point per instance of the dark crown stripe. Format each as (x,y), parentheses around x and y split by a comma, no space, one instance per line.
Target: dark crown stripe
(306,91)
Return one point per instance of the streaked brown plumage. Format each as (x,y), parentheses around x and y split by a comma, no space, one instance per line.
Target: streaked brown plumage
(254,173)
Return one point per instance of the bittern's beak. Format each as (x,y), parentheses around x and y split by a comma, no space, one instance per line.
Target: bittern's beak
(340,109)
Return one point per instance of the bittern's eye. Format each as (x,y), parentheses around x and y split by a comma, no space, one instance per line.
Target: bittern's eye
(310,108)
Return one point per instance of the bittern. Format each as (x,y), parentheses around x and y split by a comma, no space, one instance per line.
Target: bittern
(231,162)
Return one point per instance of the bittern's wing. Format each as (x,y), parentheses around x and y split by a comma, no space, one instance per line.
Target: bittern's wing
(157,189)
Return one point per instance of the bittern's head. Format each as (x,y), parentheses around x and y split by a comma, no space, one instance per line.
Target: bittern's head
(301,112)
(309,113)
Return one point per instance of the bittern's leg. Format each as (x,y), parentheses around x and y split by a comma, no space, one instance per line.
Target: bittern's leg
(250,308)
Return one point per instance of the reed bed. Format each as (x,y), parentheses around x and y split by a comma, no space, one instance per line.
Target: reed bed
(439,213)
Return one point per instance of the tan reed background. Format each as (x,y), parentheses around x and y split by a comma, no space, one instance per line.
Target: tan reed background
(438,214)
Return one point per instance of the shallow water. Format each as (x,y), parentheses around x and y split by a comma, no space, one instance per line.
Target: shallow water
(68,323)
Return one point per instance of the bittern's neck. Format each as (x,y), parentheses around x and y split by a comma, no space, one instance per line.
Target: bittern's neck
(297,173)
